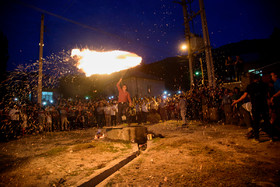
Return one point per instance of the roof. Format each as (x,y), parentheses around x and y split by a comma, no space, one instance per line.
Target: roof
(139,74)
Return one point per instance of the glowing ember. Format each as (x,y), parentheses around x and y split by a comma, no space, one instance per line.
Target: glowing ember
(94,62)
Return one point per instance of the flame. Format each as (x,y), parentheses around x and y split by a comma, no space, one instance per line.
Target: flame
(94,62)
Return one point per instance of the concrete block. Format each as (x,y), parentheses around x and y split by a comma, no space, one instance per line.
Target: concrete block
(137,134)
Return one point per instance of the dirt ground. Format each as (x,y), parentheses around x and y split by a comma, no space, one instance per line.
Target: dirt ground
(198,155)
(56,159)
(202,155)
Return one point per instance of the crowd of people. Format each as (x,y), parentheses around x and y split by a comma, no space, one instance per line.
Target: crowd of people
(259,102)
(234,68)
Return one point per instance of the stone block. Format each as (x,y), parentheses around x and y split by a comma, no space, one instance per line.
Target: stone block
(136,134)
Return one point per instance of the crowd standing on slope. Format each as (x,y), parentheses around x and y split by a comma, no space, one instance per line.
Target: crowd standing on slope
(257,107)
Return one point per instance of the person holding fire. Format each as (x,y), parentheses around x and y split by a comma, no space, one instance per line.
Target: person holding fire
(124,101)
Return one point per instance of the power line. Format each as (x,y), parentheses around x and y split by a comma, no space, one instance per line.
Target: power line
(86,26)
(68,20)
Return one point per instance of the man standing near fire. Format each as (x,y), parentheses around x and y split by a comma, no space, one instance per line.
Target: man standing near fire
(123,101)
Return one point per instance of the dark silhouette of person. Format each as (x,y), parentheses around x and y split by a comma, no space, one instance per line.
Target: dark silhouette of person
(258,93)
(229,68)
(238,68)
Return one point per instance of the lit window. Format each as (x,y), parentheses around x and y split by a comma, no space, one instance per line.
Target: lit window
(47,96)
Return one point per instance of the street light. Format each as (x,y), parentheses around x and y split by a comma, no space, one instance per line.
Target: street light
(184,47)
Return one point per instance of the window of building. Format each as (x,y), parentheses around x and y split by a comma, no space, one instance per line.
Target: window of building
(47,96)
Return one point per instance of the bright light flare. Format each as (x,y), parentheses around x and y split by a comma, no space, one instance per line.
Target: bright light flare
(184,47)
(94,62)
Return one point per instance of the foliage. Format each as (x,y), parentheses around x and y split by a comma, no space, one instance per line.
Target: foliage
(4,55)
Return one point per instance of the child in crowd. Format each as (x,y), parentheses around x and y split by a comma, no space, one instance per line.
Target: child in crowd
(107,112)
(114,111)
(49,122)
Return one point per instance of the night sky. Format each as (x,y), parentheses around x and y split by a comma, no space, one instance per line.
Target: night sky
(152,29)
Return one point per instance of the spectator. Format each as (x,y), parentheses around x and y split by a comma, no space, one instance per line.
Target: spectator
(131,114)
(55,119)
(107,113)
(100,115)
(138,112)
(182,106)
(162,109)
(238,68)
(258,92)
(275,101)
(229,68)
(226,105)
(42,119)
(153,105)
(114,111)
(236,115)
(170,109)
(49,122)
(15,117)
(63,119)
(24,119)
(144,109)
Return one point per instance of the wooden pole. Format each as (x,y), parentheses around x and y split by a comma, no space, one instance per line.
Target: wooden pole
(202,74)
(40,74)
(208,52)
(188,40)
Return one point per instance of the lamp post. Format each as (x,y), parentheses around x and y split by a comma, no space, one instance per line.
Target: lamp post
(206,41)
(41,44)
(186,47)
(183,3)
(201,67)
(207,46)
(183,47)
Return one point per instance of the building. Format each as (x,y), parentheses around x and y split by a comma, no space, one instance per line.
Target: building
(139,85)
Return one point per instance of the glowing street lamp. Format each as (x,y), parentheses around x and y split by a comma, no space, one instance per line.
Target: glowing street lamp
(184,47)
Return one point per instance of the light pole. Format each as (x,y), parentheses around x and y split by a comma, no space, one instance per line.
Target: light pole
(202,74)
(188,37)
(186,47)
(183,47)
(41,44)
(207,46)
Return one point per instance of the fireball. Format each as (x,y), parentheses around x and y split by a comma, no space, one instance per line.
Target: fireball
(94,62)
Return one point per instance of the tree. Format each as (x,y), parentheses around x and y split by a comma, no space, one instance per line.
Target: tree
(4,55)
(75,86)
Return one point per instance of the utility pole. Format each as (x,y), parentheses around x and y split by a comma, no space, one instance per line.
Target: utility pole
(202,73)
(206,41)
(188,38)
(40,74)
(207,46)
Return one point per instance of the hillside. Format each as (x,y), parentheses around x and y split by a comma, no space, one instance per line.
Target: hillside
(255,53)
